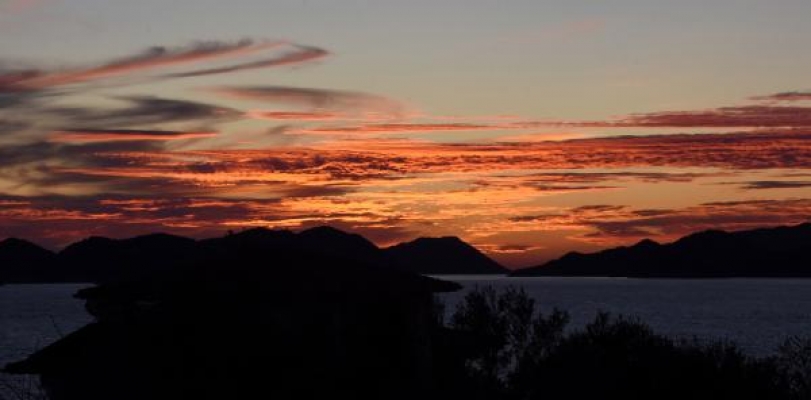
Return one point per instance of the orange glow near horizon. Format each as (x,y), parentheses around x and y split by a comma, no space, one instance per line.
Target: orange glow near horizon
(161,141)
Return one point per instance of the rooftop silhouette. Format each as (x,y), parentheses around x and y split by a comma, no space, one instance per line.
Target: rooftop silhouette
(245,318)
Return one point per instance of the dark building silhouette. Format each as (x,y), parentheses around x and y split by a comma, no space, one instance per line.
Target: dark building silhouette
(245,320)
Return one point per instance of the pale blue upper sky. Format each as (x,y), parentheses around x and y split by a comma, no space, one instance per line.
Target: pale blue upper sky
(549,59)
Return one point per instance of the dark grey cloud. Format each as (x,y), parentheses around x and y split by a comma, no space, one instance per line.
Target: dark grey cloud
(757,185)
(786,96)
(143,111)
(754,116)
(32,80)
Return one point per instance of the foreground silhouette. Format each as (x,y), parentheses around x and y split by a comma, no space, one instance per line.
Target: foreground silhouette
(768,252)
(381,338)
(98,259)
(302,325)
(519,353)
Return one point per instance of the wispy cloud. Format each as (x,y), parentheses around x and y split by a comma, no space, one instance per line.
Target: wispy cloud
(785,96)
(142,111)
(298,55)
(756,116)
(396,128)
(153,58)
(346,102)
(295,115)
(368,162)
(76,159)
(611,225)
(771,184)
(750,117)
(121,135)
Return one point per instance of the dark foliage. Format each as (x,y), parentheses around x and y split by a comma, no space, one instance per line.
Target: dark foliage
(515,352)
(375,334)
(794,363)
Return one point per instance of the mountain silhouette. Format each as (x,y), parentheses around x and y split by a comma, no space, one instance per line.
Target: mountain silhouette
(334,242)
(766,252)
(20,259)
(100,259)
(445,255)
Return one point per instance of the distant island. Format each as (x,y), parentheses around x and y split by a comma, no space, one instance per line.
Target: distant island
(767,252)
(100,259)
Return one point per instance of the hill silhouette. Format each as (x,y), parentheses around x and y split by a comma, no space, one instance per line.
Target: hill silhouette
(767,252)
(445,255)
(100,259)
(20,259)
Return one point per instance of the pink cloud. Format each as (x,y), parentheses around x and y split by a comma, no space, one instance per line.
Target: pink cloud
(294,115)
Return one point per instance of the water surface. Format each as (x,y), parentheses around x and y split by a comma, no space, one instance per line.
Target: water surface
(32,316)
(757,313)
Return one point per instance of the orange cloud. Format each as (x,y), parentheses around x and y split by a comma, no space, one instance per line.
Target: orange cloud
(743,117)
(397,128)
(113,169)
(293,115)
(88,135)
(362,161)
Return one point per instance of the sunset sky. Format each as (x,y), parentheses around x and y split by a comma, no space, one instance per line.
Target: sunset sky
(527,128)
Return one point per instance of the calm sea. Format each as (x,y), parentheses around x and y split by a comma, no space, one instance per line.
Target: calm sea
(32,316)
(757,313)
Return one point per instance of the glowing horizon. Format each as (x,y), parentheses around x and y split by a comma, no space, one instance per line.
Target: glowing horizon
(528,139)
